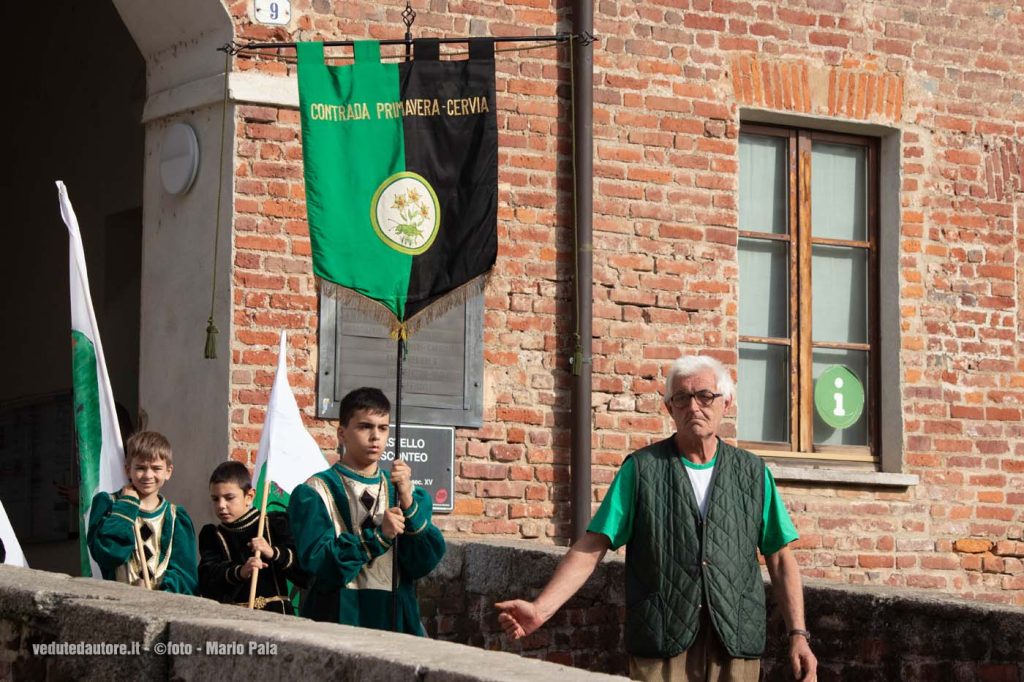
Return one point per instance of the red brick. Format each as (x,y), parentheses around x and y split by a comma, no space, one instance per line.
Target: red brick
(1002,414)
(876,561)
(524,415)
(260,243)
(696,21)
(503,489)
(828,39)
(1009,548)
(941,563)
(972,545)
(478,470)
(926,581)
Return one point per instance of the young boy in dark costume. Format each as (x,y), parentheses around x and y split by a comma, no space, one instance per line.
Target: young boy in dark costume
(346,520)
(227,550)
(135,535)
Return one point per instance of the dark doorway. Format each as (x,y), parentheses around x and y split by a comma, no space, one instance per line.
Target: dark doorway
(77,97)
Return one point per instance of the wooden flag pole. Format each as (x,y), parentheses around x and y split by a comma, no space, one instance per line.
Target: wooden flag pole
(259,533)
(142,558)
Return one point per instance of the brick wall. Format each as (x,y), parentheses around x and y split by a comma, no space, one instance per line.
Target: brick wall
(670,78)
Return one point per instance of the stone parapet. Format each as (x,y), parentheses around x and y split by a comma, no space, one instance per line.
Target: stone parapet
(189,638)
(860,633)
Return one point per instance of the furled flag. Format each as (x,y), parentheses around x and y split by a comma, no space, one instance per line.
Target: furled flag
(100,451)
(401,177)
(13,556)
(287,454)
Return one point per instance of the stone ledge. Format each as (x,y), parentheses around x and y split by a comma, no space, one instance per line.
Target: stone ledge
(815,474)
(244,87)
(41,607)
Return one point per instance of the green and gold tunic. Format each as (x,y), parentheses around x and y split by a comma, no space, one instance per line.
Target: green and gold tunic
(168,543)
(335,517)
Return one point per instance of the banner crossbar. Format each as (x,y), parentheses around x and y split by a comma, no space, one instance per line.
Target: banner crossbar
(584,39)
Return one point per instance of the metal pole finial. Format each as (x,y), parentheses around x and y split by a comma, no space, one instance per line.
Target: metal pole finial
(408,18)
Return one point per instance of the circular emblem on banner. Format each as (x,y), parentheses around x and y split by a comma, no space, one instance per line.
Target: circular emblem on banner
(839,397)
(405,213)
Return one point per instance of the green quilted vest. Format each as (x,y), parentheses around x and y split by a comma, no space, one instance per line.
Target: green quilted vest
(677,565)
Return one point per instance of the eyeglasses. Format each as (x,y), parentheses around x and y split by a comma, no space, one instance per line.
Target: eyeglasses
(682,399)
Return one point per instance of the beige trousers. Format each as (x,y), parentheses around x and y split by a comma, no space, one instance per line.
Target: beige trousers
(705,661)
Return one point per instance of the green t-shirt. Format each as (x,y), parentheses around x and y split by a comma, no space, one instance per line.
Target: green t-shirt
(614,519)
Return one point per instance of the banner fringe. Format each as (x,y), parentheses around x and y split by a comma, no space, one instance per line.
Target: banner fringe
(377,312)
(442,305)
(383,315)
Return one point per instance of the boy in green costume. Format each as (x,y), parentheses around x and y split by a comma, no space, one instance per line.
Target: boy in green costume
(135,535)
(345,521)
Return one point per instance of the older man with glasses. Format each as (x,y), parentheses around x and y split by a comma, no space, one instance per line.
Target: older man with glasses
(693,513)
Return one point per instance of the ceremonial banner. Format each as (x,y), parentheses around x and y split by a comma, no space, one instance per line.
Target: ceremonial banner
(401,176)
(100,451)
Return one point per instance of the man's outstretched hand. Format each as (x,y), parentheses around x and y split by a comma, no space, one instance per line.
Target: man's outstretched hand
(805,665)
(518,618)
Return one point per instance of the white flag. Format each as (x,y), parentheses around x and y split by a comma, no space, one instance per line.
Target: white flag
(15,557)
(287,451)
(100,451)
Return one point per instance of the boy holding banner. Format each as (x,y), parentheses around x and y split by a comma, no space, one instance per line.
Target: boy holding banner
(346,520)
(227,550)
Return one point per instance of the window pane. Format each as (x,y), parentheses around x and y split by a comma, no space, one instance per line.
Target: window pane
(763,393)
(838,191)
(764,294)
(857,362)
(839,301)
(763,183)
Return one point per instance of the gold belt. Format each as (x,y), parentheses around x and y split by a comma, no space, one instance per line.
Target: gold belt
(261,602)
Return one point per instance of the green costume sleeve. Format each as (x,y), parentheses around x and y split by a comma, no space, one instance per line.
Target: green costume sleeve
(181,576)
(285,557)
(777,529)
(218,574)
(111,535)
(421,546)
(614,519)
(331,560)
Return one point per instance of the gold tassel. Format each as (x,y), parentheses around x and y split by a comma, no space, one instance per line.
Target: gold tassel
(211,339)
(399,331)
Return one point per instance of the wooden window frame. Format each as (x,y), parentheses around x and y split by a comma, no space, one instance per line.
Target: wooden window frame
(800,343)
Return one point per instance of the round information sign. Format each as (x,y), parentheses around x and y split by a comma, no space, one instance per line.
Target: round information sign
(839,397)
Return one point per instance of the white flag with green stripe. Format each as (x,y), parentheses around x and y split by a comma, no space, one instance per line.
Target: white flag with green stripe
(100,451)
(287,454)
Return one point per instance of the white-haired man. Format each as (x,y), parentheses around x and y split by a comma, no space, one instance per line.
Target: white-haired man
(693,513)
